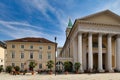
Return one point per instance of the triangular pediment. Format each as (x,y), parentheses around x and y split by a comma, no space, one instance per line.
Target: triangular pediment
(103,17)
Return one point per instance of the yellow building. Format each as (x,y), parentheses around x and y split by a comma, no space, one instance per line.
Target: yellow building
(20,52)
(94,41)
(2,54)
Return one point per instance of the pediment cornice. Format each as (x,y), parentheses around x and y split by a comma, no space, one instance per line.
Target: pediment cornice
(97,23)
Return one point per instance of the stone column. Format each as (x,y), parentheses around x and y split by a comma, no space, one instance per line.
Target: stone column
(118,53)
(80,51)
(74,51)
(100,64)
(84,54)
(109,53)
(90,53)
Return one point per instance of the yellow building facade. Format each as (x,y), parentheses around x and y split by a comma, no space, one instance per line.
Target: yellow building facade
(2,54)
(20,52)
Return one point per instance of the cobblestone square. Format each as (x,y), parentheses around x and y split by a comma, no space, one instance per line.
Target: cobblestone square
(98,76)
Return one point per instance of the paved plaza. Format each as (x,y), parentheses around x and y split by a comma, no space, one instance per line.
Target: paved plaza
(99,76)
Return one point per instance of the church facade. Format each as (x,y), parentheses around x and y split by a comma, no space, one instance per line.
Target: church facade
(94,41)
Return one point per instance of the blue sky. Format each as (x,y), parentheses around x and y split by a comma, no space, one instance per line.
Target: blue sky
(46,18)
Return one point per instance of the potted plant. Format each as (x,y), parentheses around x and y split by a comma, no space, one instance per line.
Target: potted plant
(1,68)
(17,69)
(76,67)
(66,66)
(32,66)
(50,66)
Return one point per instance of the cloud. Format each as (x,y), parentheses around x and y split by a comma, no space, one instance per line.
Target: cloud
(45,18)
(11,29)
(43,6)
(59,21)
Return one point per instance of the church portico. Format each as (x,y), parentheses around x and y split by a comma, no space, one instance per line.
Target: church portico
(95,47)
(95,42)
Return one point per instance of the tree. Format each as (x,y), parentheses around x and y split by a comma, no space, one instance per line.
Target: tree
(17,68)
(1,68)
(77,66)
(9,69)
(50,64)
(32,65)
(66,66)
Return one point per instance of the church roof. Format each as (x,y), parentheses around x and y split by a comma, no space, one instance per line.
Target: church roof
(95,14)
(70,24)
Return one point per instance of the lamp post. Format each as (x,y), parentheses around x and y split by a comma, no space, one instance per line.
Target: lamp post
(55,54)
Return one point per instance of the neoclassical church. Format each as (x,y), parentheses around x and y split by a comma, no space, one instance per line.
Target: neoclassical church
(94,41)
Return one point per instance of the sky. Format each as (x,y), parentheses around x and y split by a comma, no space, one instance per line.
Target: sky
(46,18)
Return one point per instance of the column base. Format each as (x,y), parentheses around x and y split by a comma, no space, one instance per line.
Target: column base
(111,71)
(81,71)
(101,70)
(90,70)
(117,70)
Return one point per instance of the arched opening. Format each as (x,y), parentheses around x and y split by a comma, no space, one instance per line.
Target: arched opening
(59,66)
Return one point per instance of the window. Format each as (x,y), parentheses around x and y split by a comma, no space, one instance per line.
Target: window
(22,65)
(22,55)
(31,55)
(13,64)
(40,55)
(49,55)
(40,47)
(13,54)
(13,46)
(31,47)
(40,66)
(95,45)
(22,46)
(49,47)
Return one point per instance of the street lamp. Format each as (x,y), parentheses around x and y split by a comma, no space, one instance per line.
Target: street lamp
(55,54)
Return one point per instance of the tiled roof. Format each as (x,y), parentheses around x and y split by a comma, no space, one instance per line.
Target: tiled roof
(3,45)
(31,39)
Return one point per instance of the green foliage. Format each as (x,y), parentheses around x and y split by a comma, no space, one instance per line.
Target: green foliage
(9,69)
(17,68)
(50,64)
(77,66)
(1,68)
(68,66)
(32,65)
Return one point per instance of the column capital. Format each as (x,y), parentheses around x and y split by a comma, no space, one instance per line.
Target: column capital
(80,33)
(90,33)
(100,34)
(110,35)
(118,36)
